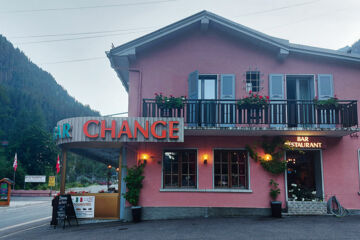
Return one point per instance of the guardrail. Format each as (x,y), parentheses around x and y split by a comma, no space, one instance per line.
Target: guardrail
(276,113)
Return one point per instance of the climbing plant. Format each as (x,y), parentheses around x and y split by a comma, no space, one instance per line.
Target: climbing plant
(275,147)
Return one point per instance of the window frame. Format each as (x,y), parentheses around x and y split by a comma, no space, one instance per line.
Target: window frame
(251,72)
(247,169)
(179,176)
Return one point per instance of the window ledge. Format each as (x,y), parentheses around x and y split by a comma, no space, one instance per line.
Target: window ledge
(206,190)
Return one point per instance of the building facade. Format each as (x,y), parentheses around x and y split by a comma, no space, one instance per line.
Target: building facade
(206,66)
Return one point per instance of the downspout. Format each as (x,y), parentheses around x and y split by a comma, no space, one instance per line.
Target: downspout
(140,90)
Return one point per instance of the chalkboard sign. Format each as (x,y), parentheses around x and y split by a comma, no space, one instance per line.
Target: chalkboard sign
(63,210)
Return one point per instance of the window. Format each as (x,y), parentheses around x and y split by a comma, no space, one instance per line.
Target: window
(253,81)
(179,169)
(207,86)
(230,169)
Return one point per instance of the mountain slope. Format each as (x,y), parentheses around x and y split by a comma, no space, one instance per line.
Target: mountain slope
(30,94)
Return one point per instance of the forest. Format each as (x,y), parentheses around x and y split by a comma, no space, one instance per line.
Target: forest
(31,103)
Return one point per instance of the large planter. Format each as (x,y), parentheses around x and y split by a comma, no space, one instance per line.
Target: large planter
(276,209)
(136,213)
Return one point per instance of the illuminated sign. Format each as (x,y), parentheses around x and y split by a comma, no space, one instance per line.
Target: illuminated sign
(131,129)
(304,142)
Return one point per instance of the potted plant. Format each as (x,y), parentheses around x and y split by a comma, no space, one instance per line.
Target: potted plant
(275,205)
(253,104)
(330,103)
(134,184)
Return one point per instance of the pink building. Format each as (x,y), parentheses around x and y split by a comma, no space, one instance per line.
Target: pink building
(215,63)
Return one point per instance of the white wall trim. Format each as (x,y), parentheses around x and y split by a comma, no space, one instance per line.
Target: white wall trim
(228,190)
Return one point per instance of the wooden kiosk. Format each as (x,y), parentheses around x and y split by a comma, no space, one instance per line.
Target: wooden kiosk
(5,191)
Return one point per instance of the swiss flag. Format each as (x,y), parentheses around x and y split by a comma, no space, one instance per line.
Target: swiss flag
(58,165)
(15,162)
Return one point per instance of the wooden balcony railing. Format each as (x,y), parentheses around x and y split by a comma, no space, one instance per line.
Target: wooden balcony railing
(277,113)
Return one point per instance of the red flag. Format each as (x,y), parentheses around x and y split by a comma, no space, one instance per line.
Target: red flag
(15,162)
(58,165)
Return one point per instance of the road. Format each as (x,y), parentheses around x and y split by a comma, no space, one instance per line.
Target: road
(23,214)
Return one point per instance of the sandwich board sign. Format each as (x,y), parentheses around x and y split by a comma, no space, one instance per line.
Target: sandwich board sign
(84,206)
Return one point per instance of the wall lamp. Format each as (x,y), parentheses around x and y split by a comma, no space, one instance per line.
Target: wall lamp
(205,157)
(144,157)
(267,157)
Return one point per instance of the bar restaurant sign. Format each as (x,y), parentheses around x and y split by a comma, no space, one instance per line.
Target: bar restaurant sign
(107,129)
(305,142)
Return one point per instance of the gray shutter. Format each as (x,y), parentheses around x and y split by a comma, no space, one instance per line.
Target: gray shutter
(277,92)
(276,87)
(193,85)
(325,86)
(326,91)
(227,86)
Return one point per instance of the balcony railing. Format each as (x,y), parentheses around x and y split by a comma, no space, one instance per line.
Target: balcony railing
(277,113)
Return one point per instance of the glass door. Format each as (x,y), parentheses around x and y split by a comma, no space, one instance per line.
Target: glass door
(207,93)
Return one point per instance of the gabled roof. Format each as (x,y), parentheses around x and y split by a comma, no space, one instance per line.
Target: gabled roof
(121,56)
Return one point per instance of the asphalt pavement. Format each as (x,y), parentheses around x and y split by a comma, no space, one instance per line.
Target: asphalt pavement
(23,213)
(303,227)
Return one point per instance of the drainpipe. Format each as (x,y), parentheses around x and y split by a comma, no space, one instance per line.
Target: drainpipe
(140,90)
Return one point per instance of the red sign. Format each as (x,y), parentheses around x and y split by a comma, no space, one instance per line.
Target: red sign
(169,129)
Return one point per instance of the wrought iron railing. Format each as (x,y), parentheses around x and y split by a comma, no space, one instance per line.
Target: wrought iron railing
(277,113)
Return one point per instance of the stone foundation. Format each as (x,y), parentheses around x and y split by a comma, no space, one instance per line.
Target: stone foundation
(306,208)
(159,213)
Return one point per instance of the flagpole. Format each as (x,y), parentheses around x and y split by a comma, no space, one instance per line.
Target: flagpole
(14,180)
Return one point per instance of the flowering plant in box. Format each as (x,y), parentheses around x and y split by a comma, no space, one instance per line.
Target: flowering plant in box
(331,103)
(253,100)
(164,102)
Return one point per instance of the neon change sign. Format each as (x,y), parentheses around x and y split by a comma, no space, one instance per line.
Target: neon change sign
(170,129)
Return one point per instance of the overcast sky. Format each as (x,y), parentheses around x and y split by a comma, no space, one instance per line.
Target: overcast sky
(68,38)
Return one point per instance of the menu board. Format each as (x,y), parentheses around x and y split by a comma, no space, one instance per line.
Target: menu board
(3,191)
(84,206)
(61,208)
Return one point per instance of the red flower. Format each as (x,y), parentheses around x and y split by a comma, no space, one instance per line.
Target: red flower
(267,97)
(260,97)
(156,94)
(250,92)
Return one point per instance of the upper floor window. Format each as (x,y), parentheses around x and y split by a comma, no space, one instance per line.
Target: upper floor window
(231,169)
(253,81)
(207,87)
(180,169)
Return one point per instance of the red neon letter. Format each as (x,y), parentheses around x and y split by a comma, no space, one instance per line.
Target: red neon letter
(138,127)
(86,126)
(153,130)
(127,130)
(104,129)
(172,129)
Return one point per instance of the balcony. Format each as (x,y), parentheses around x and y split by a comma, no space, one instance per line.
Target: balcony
(279,117)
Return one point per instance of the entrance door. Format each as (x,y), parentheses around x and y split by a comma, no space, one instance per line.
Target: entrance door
(304,175)
(300,93)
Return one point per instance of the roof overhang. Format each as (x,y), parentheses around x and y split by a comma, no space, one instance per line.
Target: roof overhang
(121,56)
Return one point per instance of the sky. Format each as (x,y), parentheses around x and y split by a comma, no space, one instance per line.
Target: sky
(68,38)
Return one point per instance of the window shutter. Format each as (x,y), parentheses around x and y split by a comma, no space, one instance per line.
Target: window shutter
(325,86)
(276,87)
(227,86)
(193,85)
